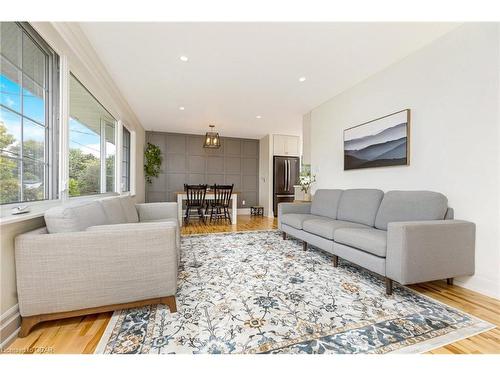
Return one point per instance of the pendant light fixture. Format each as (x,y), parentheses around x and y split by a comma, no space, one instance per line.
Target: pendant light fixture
(212,139)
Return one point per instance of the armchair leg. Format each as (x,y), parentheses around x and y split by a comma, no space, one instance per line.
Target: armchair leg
(388,286)
(284,235)
(170,302)
(335,261)
(449,281)
(304,245)
(27,323)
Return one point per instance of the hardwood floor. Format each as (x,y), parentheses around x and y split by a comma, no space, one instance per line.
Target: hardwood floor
(82,334)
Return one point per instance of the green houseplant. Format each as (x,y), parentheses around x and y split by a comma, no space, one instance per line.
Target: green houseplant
(153,162)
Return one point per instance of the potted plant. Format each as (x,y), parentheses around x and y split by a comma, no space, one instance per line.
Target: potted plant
(306,179)
(153,159)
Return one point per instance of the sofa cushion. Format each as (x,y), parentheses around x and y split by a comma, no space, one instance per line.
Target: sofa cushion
(360,205)
(411,206)
(129,209)
(296,220)
(74,217)
(113,210)
(326,227)
(373,241)
(326,202)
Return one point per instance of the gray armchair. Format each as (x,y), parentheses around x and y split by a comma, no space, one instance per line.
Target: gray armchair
(128,259)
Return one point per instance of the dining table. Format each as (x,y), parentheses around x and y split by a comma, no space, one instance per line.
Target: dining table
(182,196)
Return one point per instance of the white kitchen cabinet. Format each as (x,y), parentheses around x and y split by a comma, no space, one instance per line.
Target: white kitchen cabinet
(286,145)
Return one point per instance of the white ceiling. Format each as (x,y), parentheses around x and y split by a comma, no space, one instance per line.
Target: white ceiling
(237,71)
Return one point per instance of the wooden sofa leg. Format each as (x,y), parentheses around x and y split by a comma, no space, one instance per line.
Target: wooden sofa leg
(449,281)
(335,261)
(284,235)
(304,245)
(388,286)
(27,323)
(170,302)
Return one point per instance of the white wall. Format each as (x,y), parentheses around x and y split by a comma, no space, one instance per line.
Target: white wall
(452,88)
(68,41)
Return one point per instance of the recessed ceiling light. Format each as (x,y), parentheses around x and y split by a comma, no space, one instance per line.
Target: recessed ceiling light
(184,58)
(258,116)
(181,108)
(302,79)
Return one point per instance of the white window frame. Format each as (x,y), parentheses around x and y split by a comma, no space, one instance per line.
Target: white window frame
(132,189)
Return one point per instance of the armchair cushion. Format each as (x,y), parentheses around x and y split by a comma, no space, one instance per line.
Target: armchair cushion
(129,209)
(156,211)
(74,217)
(114,210)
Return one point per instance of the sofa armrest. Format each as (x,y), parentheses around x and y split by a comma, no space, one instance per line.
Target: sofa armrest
(71,271)
(292,208)
(419,251)
(157,211)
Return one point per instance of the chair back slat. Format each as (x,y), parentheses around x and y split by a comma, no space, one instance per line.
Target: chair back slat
(223,194)
(195,195)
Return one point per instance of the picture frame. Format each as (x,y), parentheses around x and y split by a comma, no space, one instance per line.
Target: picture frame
(382,142)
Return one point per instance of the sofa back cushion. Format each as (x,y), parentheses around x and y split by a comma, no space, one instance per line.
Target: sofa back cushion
(360,205)
(411,206)
(129,209)
(326,202)
(74,217)
(114,211)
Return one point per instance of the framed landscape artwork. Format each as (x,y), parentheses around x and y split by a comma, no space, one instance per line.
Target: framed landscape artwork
(381,142)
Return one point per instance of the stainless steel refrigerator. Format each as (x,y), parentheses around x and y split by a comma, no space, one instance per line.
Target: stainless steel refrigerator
(286,175)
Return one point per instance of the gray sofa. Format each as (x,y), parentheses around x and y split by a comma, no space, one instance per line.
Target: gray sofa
(97,256)
(405,236)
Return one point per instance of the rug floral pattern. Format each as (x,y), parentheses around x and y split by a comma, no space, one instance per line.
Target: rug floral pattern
(253,292)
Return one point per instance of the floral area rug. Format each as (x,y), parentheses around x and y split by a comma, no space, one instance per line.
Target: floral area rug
(253,292)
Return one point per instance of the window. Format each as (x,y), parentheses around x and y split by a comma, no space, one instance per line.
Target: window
(92,145)
(126,160)
(28,100)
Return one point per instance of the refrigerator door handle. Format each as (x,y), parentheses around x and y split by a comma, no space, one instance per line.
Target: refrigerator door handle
(289,173)
(286,175)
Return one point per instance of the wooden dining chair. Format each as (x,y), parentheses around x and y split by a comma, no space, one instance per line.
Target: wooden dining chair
(219,206)
(195,201)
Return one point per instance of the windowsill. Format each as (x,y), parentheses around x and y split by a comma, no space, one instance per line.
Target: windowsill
(38,209)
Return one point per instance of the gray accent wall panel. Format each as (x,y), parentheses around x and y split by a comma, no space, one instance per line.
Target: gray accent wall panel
(186,161)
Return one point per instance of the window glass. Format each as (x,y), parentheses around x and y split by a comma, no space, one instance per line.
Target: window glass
(10,85)
(25,61)
(126,160)
(91,143)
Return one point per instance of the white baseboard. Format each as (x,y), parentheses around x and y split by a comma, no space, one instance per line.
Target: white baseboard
(243,211)
(480,284)
(10,322)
